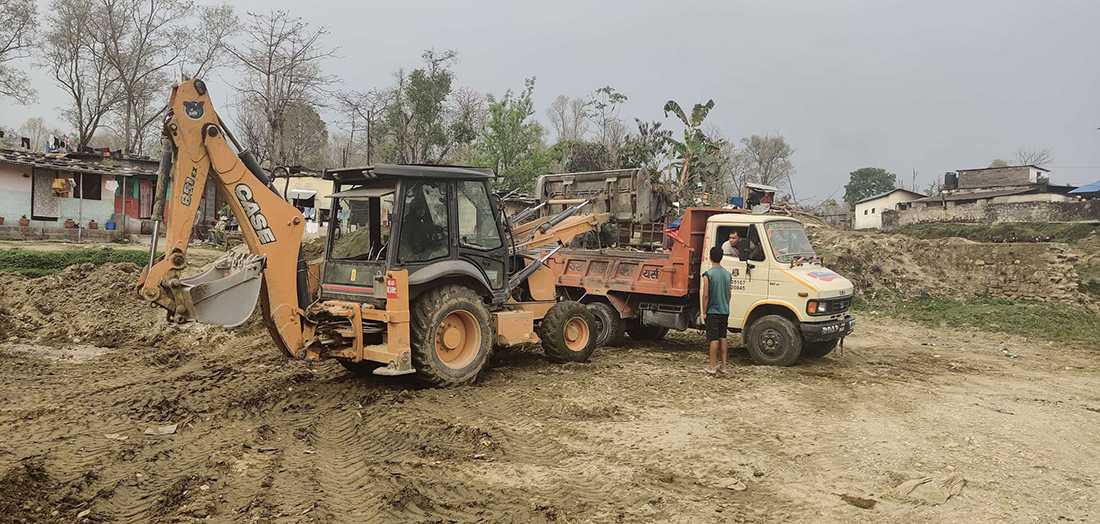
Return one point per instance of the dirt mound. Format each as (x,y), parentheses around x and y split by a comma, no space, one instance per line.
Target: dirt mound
(83,303)
(899,266)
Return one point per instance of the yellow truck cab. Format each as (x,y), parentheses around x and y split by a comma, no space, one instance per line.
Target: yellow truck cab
(785,302)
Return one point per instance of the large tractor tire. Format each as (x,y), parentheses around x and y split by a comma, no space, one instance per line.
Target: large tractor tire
(774,340)
(568,332)
(451,336)
(645,333)
(610,327)
(819,349)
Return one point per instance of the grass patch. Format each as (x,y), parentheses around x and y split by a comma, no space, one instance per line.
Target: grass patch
(1041,320)
(41,263)
(1059,232)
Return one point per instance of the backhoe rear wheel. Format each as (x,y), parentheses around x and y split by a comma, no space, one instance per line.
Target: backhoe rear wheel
(568,332)
(610,327)
(451,337)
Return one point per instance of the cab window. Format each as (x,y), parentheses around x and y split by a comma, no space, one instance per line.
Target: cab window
(477,227)
(424,228)
(351,231)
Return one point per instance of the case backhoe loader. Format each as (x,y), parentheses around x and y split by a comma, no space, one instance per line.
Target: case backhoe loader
(422,273)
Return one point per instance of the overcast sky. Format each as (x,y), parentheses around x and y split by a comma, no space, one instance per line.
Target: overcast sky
(931,85)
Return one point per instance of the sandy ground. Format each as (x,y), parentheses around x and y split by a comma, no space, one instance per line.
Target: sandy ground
(637,435)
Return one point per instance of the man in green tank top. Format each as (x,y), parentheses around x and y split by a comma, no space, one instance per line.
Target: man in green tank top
(715,287)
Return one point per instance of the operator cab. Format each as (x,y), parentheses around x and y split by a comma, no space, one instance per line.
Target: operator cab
(434,221)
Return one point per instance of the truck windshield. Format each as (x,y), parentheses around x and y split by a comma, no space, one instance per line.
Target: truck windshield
(351,234)
(788,241)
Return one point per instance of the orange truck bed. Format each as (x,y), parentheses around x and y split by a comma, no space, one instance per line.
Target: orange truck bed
(622,275)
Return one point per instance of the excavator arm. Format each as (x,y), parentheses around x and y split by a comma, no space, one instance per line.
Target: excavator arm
(196,152)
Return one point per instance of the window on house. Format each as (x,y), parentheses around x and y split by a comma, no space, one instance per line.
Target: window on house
(864,211)
(88,187)
(872,210)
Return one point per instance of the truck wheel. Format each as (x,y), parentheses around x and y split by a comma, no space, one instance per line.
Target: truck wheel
(568,332)
(451,337)
(643,333)
(819,349)
(774,341)
(610,327)
(363,368)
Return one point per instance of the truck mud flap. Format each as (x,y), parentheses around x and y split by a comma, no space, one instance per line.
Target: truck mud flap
(670,316)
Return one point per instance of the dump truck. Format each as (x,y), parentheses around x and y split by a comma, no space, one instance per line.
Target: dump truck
(784,304)
(423,273)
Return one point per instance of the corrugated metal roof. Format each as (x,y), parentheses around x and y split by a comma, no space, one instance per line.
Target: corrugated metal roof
(62,162)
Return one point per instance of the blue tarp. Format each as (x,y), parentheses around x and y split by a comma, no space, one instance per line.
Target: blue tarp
(1091,188)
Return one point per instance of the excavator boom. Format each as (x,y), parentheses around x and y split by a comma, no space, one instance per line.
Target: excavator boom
(197,152)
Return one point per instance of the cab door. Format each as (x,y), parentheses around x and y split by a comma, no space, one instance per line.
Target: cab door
(750,281)
(480,239)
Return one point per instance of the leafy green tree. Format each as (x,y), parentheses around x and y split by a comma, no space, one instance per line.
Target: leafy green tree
(511,142)
(646,149)
(696,144)
(587,156)
(998,162)
(867,181)
(421,121)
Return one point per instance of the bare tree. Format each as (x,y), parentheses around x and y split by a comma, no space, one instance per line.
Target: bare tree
(603,112)
(358,112)
(18,22)
(558,112)
(251,125)
(70,54)
(38,131)
(142,40)
(282,60)
(209,41)
(1032,156)
(768,160)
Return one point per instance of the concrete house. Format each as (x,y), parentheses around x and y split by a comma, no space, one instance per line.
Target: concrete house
(994,195)
(869,210)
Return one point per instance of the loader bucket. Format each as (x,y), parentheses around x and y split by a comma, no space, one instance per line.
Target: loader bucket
(225,294)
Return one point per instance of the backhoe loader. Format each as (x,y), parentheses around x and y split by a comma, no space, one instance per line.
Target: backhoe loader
(422,274)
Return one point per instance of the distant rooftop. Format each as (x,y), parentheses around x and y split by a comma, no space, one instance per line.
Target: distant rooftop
(880,195)
(1045,170)
(81,162)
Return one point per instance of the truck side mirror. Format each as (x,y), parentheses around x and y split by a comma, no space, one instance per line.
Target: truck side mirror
(743,250)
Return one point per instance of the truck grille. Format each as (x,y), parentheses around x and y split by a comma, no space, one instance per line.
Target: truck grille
(840,305)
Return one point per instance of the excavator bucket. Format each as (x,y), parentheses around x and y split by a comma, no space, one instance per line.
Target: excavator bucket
(225,294)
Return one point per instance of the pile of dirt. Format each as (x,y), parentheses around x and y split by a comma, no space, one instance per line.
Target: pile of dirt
(82,304)
(890,266)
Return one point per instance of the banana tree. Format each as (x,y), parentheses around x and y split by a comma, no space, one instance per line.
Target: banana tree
(696,143)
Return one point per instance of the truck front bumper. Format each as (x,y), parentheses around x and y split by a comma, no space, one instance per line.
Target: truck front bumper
(831,330)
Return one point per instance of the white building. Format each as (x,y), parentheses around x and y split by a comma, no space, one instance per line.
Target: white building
(869,210)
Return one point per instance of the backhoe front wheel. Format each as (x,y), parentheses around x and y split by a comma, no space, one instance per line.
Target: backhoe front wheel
(451,337)
(568,332)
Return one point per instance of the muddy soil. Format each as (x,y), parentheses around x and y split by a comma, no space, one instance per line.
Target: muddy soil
(636,435)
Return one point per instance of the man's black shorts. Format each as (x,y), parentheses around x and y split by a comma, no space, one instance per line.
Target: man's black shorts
(717,326)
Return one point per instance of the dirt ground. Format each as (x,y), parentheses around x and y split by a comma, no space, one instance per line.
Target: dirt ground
(636,435)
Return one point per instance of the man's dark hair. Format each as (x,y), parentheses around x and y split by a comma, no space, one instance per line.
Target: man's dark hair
(716,254)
